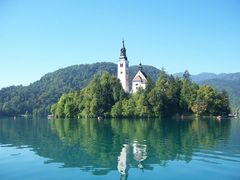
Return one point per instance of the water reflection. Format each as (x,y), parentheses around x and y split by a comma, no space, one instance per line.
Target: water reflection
(103,146)
(123,161)
(139,152)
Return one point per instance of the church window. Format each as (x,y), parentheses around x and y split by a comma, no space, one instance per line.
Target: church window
(121,72)
(121,65)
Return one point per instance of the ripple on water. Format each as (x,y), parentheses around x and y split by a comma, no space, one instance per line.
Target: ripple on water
(215,157)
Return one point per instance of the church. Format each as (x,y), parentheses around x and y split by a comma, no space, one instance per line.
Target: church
(140,79)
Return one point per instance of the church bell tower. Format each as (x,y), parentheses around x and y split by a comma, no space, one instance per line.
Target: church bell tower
(123,70)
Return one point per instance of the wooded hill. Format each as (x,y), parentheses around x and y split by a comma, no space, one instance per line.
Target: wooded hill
(38,97)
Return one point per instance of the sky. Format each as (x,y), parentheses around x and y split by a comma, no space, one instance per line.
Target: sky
(41,36)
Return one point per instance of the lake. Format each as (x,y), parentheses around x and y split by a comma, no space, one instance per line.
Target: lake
(119,149)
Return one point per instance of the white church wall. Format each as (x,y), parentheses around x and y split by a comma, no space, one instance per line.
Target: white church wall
(137,85)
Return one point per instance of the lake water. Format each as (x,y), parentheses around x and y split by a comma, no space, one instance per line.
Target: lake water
(119,149)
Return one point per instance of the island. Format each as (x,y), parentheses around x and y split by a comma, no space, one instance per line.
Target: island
(169,96)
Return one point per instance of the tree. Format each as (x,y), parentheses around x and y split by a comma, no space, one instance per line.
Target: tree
(164,97)
(116,110)
(128,108)
(205,102)
(188,93)
(199,107)
(222,106)
(157,94)
(186,76)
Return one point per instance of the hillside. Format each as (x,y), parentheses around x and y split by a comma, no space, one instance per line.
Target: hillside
(40,95)
(210,76)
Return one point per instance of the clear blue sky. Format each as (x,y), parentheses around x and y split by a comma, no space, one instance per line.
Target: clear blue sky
(40,36)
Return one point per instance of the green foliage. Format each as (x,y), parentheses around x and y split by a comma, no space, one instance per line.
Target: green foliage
(164,97)
(230,83)
(210,102)
(116,110)
(66,106)
(188,93)
(128,106)
(136,105)
(104,96)
(168,96)
(96,99)
(38,97)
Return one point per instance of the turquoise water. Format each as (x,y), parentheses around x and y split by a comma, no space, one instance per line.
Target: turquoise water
(119,149)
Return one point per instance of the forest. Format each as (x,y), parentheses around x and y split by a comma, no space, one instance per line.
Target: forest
(104,97)
(37,98)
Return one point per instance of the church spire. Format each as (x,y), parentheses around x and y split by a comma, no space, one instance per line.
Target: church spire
(123,50)
(123,43)
(140,67)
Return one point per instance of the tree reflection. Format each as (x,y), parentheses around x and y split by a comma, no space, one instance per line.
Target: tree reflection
(165,140)
(102,146)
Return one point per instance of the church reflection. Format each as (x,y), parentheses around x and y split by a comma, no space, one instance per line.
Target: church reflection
(139,153)
(123,161)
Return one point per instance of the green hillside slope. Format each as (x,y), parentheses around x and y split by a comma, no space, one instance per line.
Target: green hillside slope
(40,95)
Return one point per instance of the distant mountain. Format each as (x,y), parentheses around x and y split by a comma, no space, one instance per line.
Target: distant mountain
(38,97)
(203,76)
(210,76)
(199,77)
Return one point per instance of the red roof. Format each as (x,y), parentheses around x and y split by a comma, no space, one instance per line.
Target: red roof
(138,78)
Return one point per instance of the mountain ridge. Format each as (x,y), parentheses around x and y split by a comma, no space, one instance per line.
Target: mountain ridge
(209,76)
